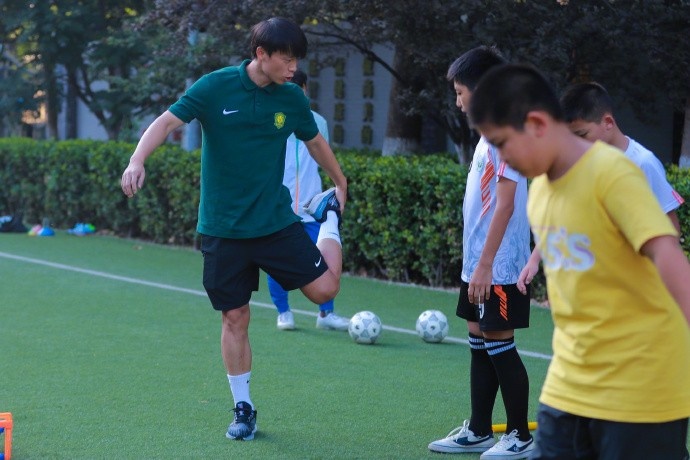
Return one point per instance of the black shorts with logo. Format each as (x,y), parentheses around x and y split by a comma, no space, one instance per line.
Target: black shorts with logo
(505,309)
(231,266)
(565,436)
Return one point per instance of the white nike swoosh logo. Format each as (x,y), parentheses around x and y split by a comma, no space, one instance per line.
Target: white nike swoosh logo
(228,112)
(316,264)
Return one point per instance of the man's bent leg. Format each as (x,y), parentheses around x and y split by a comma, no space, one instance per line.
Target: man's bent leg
(333,255)
(326,286)
(313,230)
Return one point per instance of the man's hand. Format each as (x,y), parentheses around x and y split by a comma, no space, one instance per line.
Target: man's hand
(341,195)
(133,178)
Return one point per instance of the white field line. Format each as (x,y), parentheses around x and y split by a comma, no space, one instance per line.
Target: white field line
(170,287)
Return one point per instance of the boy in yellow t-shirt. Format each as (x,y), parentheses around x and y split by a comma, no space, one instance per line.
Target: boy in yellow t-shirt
(618,281)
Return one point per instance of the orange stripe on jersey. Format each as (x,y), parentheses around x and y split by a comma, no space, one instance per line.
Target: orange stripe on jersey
(678,198)
(502,301)
(484,183)
(501,169)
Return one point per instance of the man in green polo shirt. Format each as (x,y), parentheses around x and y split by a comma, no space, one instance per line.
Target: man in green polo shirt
(247,112)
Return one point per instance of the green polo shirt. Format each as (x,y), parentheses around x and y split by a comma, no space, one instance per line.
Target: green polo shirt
(244,129)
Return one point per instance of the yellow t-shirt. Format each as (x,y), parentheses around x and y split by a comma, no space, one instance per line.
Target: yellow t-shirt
(621,344)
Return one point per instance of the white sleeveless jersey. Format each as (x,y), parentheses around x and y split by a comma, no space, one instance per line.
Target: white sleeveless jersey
(478,209)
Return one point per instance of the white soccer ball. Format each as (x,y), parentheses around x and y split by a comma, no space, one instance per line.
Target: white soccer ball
(432,326)
(365,327)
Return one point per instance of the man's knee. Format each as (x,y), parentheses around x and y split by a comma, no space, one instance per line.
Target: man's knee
(323,289)
(236,319)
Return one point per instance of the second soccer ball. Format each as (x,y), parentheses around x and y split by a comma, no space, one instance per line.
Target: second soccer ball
(365,327)
(432,326)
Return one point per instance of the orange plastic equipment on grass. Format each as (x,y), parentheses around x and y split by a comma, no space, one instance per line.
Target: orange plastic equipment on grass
(6,426)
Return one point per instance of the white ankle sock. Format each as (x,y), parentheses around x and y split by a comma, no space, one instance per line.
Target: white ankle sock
(239,386)
(329,228)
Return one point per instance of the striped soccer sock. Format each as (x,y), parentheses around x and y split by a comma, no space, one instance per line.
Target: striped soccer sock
(514,383)
(483,386)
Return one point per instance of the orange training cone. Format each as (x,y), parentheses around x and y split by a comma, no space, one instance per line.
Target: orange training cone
(6,426)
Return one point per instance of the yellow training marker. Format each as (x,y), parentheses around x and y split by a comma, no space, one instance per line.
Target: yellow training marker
(501,427)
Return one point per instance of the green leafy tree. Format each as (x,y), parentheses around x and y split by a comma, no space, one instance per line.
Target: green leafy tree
(96,52)
(18,89)
(638,49)
(634,47)
(411,27)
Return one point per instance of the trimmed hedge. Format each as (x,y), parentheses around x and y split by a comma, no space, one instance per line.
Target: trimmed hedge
(79,181)
(680,180)
(403,220)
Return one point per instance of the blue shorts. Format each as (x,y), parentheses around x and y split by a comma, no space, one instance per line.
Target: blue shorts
(505,309)
(564,436)
(231,266)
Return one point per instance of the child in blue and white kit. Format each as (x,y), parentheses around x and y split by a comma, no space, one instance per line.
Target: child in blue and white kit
(303,180)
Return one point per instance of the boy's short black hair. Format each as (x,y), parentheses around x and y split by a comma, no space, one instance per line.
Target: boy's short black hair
(299,78)
(279,34)
(472,65)
(586,101)
(506,94)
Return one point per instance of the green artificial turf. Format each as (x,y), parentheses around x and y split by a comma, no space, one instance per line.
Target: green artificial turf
(109,348)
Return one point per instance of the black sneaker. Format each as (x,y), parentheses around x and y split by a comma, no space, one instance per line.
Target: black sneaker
(244,425)
(321,203)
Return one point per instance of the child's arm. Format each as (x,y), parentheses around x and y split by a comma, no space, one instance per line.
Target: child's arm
(480,284)
(674,268)
(673,215)
(529,271)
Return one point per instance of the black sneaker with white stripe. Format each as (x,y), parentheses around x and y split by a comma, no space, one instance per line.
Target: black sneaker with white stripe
(243,426)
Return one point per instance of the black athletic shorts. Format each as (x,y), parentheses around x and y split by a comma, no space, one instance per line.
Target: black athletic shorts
(505,309)
(564,436)
(231,266)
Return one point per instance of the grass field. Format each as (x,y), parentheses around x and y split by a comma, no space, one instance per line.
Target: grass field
(109,348)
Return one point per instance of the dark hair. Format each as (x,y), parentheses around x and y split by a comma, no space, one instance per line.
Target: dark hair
(299,78)
(472,65)
(505,95)
(586,101)
(279,34)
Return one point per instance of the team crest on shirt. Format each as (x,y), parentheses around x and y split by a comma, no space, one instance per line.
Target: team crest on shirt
(279,120)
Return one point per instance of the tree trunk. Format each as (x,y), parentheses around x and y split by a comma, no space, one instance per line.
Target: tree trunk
(684,161)
(71,107)
(403,132)
(52,101)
